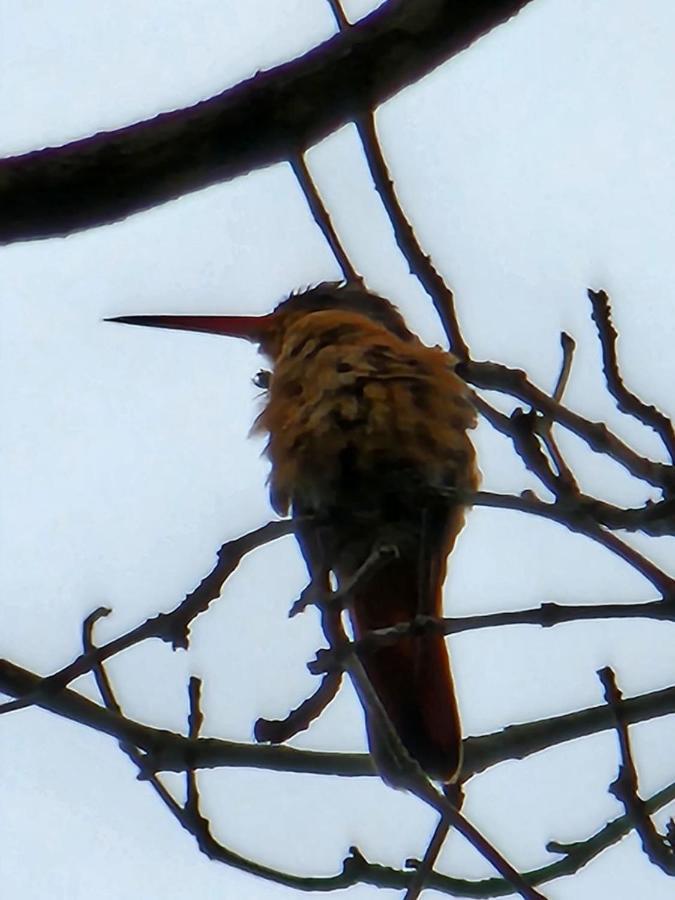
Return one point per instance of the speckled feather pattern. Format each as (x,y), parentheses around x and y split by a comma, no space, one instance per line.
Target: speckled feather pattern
(348,395)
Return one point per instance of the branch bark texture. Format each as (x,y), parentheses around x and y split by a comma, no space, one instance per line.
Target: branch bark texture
(267,119)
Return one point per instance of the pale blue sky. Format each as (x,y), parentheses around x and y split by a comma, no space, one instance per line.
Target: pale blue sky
(534,165)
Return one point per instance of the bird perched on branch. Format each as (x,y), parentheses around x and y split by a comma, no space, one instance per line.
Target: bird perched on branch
(367,438)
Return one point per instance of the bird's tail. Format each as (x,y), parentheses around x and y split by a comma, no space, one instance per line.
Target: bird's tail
(411,677)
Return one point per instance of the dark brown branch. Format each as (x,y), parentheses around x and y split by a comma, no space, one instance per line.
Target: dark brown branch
(568,346)
(419,262)
(528,447)
(111,704)
(519,741)
(573,515)
(276,731)
(546,616)
(579,853)
(658,848)
(497,377)
(626,400)
(189,816)
(269,118)
(171,627)
(341,19)
(195,722)
(569,510)
(566,480)
(356,869)
(425,867)
(167,751)
(322,218)
(394,764)
(404,773)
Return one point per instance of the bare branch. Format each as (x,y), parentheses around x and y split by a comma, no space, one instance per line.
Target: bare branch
(167,751)
(171,627)
(546,616)
(497,377)
(658,848)
(195,722)
(626,400)
(396,767)
(299,719)
(425,867)
(323,219)
(270,118)
(568,346)
(419,262)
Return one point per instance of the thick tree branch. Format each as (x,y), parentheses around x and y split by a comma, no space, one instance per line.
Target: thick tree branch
(171,752)
(267,119)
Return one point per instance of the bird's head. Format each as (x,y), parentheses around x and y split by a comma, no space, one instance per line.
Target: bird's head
(268,331)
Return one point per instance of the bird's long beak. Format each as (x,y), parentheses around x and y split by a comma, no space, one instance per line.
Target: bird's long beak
(251,328)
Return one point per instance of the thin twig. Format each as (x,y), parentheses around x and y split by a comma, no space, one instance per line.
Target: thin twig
(568,346)
(276,731)
(419,262)
(498,377)
(322,218)
(378,557)
(398,769)
(341,19)
(111,704)
(567,483)
(189,816)
(171,627)
(426,865)
(657,847)
(546,615)
(195,722)
(626,400)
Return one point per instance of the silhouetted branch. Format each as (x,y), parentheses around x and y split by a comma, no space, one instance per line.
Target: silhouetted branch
(566,480)
(195,722)
(546,616)
(425,867)
(189,816)
(277,731)
(497,377)
(626,400)
(658,848)
(419,262)
(394,764)
(267,119)
(168,751)
(171,627)
(323,219)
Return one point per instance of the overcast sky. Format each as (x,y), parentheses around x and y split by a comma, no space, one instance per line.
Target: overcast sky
(534,165)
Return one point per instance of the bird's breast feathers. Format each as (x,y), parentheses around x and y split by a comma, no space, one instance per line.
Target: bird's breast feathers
(350,400)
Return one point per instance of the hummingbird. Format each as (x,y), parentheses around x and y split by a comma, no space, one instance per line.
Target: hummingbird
(368,443)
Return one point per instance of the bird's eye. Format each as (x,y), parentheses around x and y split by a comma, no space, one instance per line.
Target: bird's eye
(262,379)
